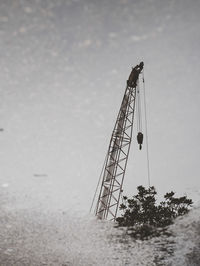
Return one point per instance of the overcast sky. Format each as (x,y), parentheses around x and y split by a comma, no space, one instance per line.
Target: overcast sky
(64,66)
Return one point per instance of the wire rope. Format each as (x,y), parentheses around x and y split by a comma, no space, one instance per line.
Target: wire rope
(95,193)
(146,131)
(139,110)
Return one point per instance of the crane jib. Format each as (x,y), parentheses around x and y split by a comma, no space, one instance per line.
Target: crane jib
(118,151)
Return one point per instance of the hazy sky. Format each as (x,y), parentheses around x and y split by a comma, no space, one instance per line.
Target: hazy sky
(64,66)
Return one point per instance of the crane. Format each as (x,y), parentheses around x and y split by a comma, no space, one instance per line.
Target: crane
(118,151)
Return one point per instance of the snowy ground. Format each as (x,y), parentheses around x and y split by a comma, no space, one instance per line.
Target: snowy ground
(38,236)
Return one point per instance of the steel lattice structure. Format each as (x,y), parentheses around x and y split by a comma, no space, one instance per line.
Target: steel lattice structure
(118,151)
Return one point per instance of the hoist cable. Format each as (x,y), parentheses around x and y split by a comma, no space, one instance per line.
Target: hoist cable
(137,111)
(139,108)
(145,117)
(98,184)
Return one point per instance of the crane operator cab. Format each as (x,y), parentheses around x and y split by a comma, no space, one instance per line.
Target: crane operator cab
(140,139)
(132,80)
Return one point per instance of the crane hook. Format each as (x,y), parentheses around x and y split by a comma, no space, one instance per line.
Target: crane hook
(140,139)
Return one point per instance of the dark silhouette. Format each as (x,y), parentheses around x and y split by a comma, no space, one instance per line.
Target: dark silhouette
(140,139)
(145,217)
(133,77)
